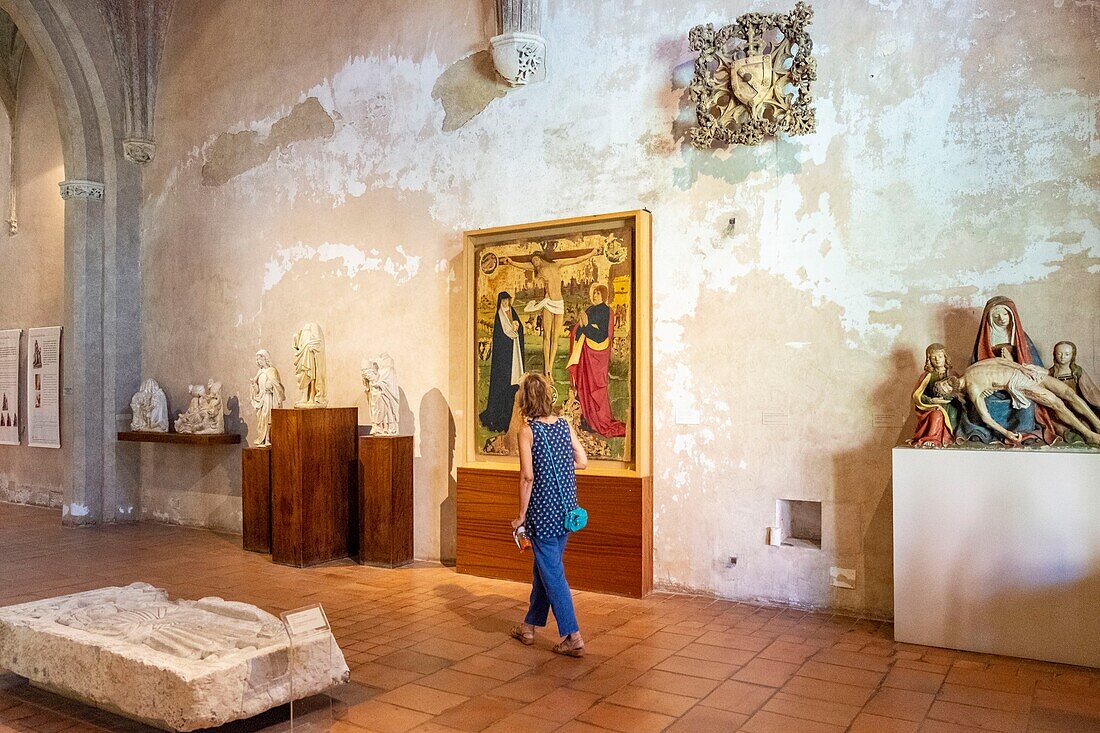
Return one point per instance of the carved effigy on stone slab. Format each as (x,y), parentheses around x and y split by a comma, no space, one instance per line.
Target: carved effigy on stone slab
(177,665)
(752,78)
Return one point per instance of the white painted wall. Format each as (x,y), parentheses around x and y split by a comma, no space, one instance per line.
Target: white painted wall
(953,161)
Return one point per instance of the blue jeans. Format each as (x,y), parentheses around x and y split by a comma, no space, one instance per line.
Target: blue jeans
(549,589)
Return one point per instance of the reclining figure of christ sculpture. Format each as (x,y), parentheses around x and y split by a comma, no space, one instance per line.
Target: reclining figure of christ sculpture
(1024,383)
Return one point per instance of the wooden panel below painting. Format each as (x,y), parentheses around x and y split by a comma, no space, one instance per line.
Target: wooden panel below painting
(613,554)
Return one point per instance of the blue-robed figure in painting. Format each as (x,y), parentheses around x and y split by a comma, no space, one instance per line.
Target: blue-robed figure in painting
(1002,335)
(506,366)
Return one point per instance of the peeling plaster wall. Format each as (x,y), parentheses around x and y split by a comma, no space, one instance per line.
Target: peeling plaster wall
(956,158)
(33,271)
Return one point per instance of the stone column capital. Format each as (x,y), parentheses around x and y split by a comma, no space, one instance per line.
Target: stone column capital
(79,189)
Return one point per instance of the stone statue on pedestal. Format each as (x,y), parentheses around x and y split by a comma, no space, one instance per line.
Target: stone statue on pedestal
(385,398)
(266,394)
(309,367)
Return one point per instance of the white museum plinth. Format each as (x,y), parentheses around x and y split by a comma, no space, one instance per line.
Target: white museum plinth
(998,551)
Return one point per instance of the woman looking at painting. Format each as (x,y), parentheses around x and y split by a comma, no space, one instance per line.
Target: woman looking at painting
(505,367)
(549,456)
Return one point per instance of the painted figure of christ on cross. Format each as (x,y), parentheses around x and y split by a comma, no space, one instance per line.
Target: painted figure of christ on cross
(546,266)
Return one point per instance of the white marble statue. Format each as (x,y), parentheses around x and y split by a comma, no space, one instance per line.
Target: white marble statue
(267,393)
(177,665)
(309,366)
(385,399)
(206,411)
(150,408)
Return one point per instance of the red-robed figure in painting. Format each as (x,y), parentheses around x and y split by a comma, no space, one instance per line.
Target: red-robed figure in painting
(590,363)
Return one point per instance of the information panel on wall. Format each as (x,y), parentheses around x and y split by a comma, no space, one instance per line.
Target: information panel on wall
(44,387)
(9,386)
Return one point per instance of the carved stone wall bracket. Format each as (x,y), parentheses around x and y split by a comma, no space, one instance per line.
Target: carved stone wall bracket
(519,57)
(752,78)
(137,29)
(519,51)
(138,150)
(77,189)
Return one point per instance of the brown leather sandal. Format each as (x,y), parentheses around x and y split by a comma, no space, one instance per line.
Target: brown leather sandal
(527,638)
(570,648)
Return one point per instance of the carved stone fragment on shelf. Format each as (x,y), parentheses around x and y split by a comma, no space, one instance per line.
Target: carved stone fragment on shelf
(519,52)
(177,665)
(150,408)
(205,414)
(752,78)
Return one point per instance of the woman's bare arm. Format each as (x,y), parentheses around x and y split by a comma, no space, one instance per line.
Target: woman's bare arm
(526,473)
(580,458)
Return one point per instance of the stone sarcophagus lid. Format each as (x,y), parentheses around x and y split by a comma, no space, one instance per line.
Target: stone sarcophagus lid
(177,665)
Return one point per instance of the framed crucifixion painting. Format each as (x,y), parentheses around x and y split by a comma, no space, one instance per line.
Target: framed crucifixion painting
(571,299)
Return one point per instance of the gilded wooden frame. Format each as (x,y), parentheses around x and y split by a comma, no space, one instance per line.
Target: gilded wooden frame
(640,462)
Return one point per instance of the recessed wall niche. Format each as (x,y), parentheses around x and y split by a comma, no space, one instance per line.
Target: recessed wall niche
(799,523)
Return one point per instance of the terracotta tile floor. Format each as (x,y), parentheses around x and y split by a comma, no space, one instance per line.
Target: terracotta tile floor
(429,652)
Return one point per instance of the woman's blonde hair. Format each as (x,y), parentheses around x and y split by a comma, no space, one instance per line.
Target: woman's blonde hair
(536,397)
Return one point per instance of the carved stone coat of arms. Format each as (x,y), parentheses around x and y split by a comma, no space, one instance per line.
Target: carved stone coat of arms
(752,78)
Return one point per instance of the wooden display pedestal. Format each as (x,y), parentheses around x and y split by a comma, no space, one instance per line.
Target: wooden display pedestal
(386,500)
(613,554)
(256,498)
(314,467)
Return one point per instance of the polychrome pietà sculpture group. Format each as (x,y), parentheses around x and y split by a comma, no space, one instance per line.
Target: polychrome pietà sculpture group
(1005,396)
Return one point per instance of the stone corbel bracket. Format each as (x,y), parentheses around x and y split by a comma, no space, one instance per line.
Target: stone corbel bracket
(137,29)
(78,189)
(519,52)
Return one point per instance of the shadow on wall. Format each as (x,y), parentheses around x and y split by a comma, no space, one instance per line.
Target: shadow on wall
(436,421)
(234,423)
(866,545)
(406,425)
(875,543)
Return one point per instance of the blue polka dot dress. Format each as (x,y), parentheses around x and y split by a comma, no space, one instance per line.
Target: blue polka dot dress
(552,462)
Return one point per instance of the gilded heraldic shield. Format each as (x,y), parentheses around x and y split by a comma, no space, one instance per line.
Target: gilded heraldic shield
(753,78)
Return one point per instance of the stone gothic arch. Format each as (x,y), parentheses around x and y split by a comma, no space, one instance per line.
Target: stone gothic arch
(101,353)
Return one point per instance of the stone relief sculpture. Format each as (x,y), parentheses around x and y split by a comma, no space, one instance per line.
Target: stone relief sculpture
(309,366)
(205,413)
(266,393)
(752,78)
(936,416)
(1006,395)
(174,664)
(150,408)
(380,379)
